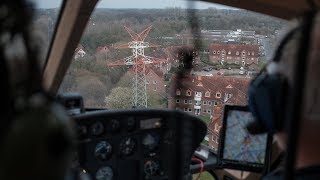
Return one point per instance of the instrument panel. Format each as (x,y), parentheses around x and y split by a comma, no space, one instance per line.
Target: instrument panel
(136,144)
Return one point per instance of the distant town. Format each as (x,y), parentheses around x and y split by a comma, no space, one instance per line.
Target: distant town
(222,78)
(107,59)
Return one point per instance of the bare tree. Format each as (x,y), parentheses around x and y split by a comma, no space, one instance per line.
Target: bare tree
(119,98)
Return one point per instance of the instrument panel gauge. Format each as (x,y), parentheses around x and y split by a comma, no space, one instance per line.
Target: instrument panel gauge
(127,146)
(104,173)
(151,168)
(103,150)
(150,141)
(97,129)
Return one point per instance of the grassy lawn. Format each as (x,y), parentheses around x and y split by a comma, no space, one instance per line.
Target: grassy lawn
(204,176)
(206,119)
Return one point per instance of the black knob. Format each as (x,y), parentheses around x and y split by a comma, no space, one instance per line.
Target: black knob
(131,124)
(115,125)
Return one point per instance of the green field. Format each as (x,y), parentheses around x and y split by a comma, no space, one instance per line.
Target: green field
(206,119)
(204,176)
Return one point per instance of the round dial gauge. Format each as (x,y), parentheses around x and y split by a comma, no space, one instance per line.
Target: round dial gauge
(103,150)
(97,128)
(150,141)
(127,146)
(151,168)
(104,173)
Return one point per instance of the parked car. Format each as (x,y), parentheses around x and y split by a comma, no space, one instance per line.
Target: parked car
(207,69)
(219,73)
(252,69)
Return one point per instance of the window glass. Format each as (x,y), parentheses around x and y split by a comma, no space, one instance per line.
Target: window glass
(105,71)
(43,24)
(178,92)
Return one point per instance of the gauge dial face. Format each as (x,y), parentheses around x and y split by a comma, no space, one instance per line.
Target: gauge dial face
(127,146)
(103,150)
(97,128)
(151,168)
(104,173)
(150,141)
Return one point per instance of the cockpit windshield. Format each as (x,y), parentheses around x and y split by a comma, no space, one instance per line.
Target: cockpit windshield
(44,23)
(130,53)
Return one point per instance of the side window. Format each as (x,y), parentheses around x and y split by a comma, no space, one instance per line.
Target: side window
(188,93)
(178,92)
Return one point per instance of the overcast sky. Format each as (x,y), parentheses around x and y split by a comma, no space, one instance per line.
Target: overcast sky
(133,4)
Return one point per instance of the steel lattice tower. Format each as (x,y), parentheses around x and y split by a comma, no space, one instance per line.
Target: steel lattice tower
(138,60)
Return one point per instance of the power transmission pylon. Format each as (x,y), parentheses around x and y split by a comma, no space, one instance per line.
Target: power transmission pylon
(138,60)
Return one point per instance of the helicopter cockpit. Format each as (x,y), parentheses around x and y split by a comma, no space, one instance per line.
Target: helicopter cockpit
(145,89)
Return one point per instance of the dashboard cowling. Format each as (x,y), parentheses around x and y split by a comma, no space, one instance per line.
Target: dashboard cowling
(147,144)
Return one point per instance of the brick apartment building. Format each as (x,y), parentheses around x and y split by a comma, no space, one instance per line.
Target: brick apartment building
(242,54)
(206,96)
(176,53)
(155,80)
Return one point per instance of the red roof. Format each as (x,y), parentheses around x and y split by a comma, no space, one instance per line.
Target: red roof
(212,124)
(151,68)
(176,51)
(216,84)
(79,47)
(102,48)
(236,87)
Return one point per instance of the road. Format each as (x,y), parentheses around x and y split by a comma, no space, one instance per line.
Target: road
(225,72)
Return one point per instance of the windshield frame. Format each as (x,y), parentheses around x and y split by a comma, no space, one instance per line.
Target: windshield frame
(61,10)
